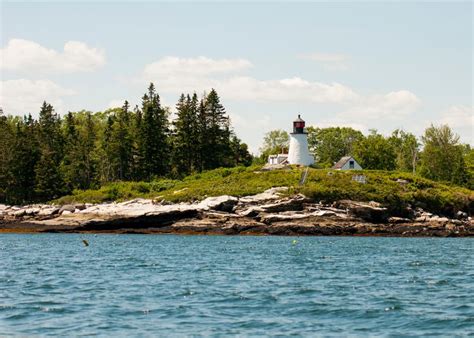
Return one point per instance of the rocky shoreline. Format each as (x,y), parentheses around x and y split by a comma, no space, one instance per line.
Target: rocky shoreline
(268,213)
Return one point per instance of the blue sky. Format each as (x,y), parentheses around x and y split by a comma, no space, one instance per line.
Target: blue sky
(367,65)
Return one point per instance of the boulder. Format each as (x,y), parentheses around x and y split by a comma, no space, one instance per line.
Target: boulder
(267,195)
(19,213)
(291,204)
(32,211)
(371,212)
(67,207)
(49,211)
(270,218)
(220,203)
(461,215)
(398,220)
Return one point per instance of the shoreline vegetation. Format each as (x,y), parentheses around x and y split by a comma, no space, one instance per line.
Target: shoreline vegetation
(255,201)
(394,190)
(46,158)
(151,169)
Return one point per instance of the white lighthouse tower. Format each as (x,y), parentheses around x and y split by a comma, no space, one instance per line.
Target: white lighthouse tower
(299,152)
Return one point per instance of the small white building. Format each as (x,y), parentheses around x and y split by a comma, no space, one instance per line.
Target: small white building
(347,163)
(278,159)
(299,152)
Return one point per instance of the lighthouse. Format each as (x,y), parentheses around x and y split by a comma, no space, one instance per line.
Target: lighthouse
(299,152)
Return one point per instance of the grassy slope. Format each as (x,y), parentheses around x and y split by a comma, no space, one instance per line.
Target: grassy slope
(381,186)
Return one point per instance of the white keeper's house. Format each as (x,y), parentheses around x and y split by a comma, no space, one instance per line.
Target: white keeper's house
(347,163)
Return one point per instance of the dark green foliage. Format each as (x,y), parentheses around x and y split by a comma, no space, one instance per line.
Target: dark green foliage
(49,180)
(7,140)
(406,148)
(44,159)
(154,132)
(330,144)
(185,136)
(22,159)
(443,157)
(215,133)
(375,152)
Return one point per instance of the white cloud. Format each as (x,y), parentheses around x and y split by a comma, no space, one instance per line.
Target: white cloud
(23,96)
(290,89)
(458,117)
(330,61)
(461,119)
(175,75)
(173,66)
(29,56)
(395,105)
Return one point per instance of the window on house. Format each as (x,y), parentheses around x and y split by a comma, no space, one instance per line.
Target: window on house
(351,164)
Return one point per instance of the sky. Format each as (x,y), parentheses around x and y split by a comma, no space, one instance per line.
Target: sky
(366,65)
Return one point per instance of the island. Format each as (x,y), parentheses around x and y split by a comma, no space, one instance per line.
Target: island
(258,201)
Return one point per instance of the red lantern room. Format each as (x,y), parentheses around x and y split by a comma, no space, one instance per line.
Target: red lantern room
(298,126)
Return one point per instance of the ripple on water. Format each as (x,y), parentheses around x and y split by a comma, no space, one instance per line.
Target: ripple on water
(141,285)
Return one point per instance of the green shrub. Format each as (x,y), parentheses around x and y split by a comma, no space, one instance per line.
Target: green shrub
(321,185)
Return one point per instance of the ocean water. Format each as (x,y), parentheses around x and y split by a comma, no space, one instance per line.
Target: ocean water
(160,285)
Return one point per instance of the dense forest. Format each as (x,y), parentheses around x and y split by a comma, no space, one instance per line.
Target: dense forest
(45,158)
(438,155)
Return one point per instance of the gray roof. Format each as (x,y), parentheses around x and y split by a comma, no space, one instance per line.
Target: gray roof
(341,162)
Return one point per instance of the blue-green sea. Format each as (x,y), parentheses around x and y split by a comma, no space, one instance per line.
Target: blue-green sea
(159,285)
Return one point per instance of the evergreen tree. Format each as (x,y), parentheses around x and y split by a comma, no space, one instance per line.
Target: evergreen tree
(49,181)
(138,171)
(7,138)
(88,147)
(106,152)
(20,178)
(120,144)
(185,135)
(215,132)
(154,133)
(72,161)
(240,153)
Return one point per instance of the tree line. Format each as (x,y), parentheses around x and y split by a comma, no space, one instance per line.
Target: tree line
(437,155)
(45,158)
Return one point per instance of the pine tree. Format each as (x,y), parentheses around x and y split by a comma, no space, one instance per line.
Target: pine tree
(49,181)
(106,152)
(88,147)
(119,144)
(71,162)
(215,132)
(20,178)
(138,170)
(6,147)
(185,135)
(240,153)
(154,133)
